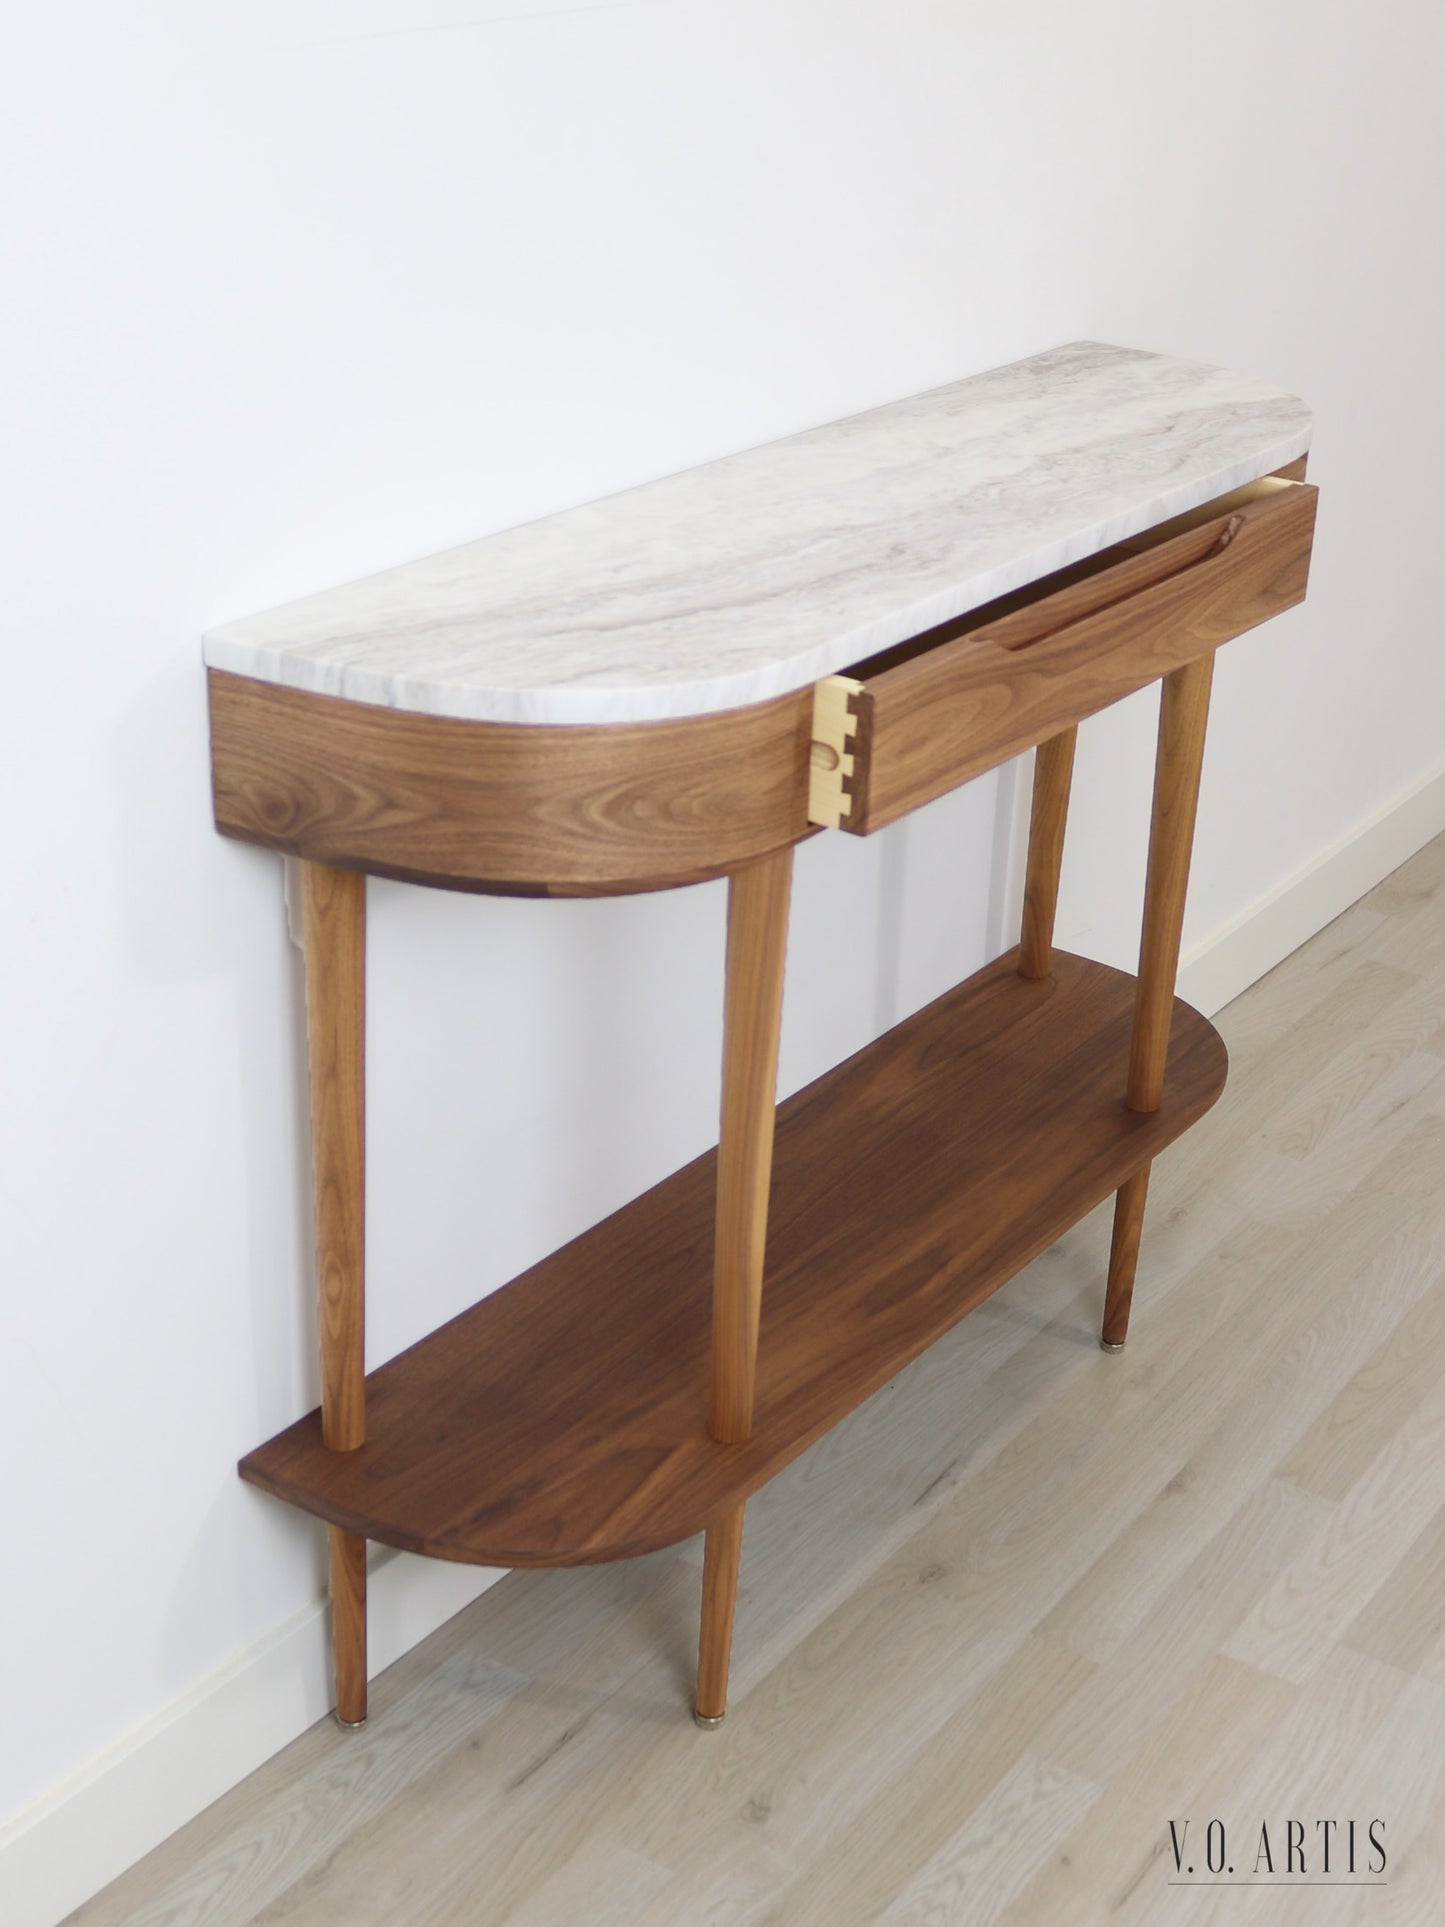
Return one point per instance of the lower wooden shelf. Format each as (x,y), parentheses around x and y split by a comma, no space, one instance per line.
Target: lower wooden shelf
(563,1420)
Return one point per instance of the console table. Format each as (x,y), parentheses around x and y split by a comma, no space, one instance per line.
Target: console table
(683,682)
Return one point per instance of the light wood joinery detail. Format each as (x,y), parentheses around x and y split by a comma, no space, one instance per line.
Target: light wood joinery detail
(830,771)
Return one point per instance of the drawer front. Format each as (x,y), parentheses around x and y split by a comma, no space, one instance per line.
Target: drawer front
(894,738)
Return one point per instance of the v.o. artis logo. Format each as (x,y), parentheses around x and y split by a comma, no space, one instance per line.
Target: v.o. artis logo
(1333,1852)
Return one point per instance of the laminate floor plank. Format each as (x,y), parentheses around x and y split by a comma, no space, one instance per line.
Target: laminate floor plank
(1258,1016)
(1404,1766)
(275,1832)
(1101,1728)
(1296,1625)
(973,1878)
(1403,1623)
(604,1886)
(1019,1611)
(920,1796)
(1308,1767)
(1194,1753)
(1359,1421)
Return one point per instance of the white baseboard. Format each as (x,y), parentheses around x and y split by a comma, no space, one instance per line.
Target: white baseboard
(1243,950)
(102,1818)
(105,1816)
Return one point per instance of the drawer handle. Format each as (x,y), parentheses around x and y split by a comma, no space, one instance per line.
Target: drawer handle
(1223,534)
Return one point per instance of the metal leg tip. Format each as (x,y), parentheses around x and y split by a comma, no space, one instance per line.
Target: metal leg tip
(707,1724)
(349,1726)
(1105,1346)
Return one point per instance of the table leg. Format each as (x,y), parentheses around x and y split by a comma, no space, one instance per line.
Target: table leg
(348,1624)
(757,940)
(1183,715)
(333,908)
(722,1549)
(1048,817)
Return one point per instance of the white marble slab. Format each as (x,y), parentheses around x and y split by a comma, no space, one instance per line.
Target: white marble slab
(762,572)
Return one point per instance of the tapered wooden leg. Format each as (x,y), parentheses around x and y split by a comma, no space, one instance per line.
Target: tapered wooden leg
(1053,773)
(333,911)
(721,1551)
(1123,1258)
(1183,715)
(753,1003)
(348,1624)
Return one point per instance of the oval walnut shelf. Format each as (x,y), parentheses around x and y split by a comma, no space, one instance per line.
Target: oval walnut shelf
(563,1420)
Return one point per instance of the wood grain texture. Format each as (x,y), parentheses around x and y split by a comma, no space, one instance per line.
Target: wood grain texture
(347,1554)
(908,1185)
(753,1008)
(959,701)
(509,808)
(1048,818)
(333,920)
(722,1551)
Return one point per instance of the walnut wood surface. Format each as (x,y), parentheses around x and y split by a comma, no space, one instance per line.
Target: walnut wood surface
(333,920)
(908,1184)
(952,706)
(508,807)
(1048,818)
(753,1007)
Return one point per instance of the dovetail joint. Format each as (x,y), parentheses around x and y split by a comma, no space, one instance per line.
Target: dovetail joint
(831,763)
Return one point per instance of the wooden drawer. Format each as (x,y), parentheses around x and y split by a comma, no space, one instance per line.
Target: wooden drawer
(926,716)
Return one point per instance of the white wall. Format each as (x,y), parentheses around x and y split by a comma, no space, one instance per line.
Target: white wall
(297,291)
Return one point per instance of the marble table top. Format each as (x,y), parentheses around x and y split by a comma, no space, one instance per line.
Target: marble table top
(762,572)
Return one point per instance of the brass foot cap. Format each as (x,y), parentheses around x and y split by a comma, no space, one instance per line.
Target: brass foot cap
(702,1720)
(1105,1346)
(348,1726)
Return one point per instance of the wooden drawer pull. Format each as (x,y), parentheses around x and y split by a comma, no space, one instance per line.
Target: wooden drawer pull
(1055,614)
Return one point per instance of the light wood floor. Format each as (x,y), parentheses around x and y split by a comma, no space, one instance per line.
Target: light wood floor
(1027,1606)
